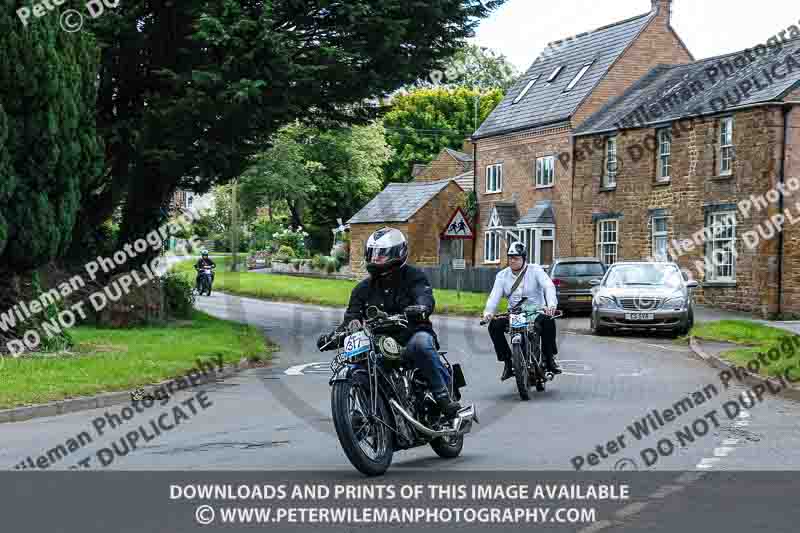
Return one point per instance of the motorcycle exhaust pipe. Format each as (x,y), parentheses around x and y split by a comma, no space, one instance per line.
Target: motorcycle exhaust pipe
(461,424)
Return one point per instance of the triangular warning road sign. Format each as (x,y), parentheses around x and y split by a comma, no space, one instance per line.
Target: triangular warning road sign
(458,227)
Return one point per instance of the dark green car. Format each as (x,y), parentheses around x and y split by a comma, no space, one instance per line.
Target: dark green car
(572,277)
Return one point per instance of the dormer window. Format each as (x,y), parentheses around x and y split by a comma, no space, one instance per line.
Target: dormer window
(524,91)
(578,77)
(555,74)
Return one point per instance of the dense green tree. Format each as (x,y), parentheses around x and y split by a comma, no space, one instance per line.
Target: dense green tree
(49,147)
(190,90)
(477,67)
(424,121)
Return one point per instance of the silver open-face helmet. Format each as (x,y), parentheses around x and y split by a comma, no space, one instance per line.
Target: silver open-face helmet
(386,251)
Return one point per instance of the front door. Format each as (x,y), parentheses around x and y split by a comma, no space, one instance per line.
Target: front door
(540,243)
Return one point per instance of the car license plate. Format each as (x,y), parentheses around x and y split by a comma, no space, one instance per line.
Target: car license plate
(519,321)
(582,298)
(639,316)
(355,344)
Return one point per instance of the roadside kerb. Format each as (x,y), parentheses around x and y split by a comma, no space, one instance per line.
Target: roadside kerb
(792,393)
(74,405)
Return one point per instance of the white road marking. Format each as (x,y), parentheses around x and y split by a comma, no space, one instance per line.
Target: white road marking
(741,423)
(597,526)
(723,451)
(666,490)
(297,370)
(631,509)
(628,341)
(730,442)
(744,414)
(688,477)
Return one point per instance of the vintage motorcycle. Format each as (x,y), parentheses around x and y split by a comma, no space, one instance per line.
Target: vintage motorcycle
(526,347)
(380,401)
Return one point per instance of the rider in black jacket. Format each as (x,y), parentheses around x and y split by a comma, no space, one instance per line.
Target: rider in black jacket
(395,287)
(204,261)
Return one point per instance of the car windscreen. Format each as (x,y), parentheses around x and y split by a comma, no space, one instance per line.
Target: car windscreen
(571,270)
(644,276)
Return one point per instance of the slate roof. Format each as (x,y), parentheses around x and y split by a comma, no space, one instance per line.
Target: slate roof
(681,91)
(547,103)
(508,213)
(460,156)
(541,213)
(398,202)
(418,169)
(466,181)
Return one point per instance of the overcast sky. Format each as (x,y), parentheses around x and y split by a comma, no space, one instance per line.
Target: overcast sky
(521,29)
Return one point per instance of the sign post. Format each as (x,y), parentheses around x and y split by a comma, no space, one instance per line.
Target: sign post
(458,228)
(459,265)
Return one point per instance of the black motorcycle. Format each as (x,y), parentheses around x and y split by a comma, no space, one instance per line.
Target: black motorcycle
(380,401)
(205,281)
(526,348)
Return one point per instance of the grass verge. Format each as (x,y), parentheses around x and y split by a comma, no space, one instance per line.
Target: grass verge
(106,360)
(329,292)
(755,339)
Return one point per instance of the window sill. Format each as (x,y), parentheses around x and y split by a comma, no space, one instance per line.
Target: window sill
(491,262)
(608,189)
(722,177)
(718,284)
(662,182)
(493,192)
(545,186)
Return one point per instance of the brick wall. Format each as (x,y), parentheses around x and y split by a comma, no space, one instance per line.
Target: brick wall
(657,44)
(694,183)
(518,154)
(422,231)
(443,167)
(428,223)
(791,259)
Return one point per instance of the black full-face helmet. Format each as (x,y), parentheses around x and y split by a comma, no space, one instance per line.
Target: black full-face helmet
(386,251)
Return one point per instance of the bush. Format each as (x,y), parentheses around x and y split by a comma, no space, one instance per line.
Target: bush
(318,262)
(178,295)
(292,239)
(286,251)
(330,265)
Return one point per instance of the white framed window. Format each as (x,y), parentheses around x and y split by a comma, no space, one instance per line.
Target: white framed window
(524,91)
(610,172)
(555,74)
(607,244)
(494,178)
(578,77)
(664,153)
(659,250)
(545,171)
(540,243)
(491,247)
(726,146)
(721,248)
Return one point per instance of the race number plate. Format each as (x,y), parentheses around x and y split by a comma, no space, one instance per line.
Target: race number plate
(519,321)
(639,316)
(355,344)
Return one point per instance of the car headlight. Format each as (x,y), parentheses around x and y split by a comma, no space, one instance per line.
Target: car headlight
(677,303)
(605,301)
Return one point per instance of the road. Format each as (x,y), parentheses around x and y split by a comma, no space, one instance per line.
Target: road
(278,418)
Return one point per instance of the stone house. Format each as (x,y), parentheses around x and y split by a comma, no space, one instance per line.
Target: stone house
(524,191)
(686,165)
(421,210)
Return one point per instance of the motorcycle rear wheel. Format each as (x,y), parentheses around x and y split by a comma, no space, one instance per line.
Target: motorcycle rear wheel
(520,363)
(367,443)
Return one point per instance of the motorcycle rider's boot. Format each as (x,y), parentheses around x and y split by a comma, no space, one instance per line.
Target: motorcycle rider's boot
(552,366)
(508,370)
(447,406)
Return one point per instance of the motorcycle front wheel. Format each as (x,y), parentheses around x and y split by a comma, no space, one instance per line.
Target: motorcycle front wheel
(520,363)
(366,441)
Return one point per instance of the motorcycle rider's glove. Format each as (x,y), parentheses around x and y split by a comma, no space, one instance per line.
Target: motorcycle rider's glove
(417,313)
(322,341)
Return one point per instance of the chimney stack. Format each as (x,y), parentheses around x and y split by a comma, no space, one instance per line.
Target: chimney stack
(663,8)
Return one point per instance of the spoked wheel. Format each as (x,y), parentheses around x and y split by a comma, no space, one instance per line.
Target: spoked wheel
(537,373)
(521,371)
(364,438)
(448,447)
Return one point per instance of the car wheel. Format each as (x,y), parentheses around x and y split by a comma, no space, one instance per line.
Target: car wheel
(597,330)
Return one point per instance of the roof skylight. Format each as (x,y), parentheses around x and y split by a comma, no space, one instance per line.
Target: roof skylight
(524,91)
(555,73)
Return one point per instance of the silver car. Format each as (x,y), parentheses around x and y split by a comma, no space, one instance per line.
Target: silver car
(643,295)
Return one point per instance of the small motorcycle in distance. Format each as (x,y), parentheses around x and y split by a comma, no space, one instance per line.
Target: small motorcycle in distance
(204,285)
(381,403)
(526,347)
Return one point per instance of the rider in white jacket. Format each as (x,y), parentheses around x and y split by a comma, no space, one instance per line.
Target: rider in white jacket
(539,290)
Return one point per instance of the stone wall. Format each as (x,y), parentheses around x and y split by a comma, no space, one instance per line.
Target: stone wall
(695,183)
